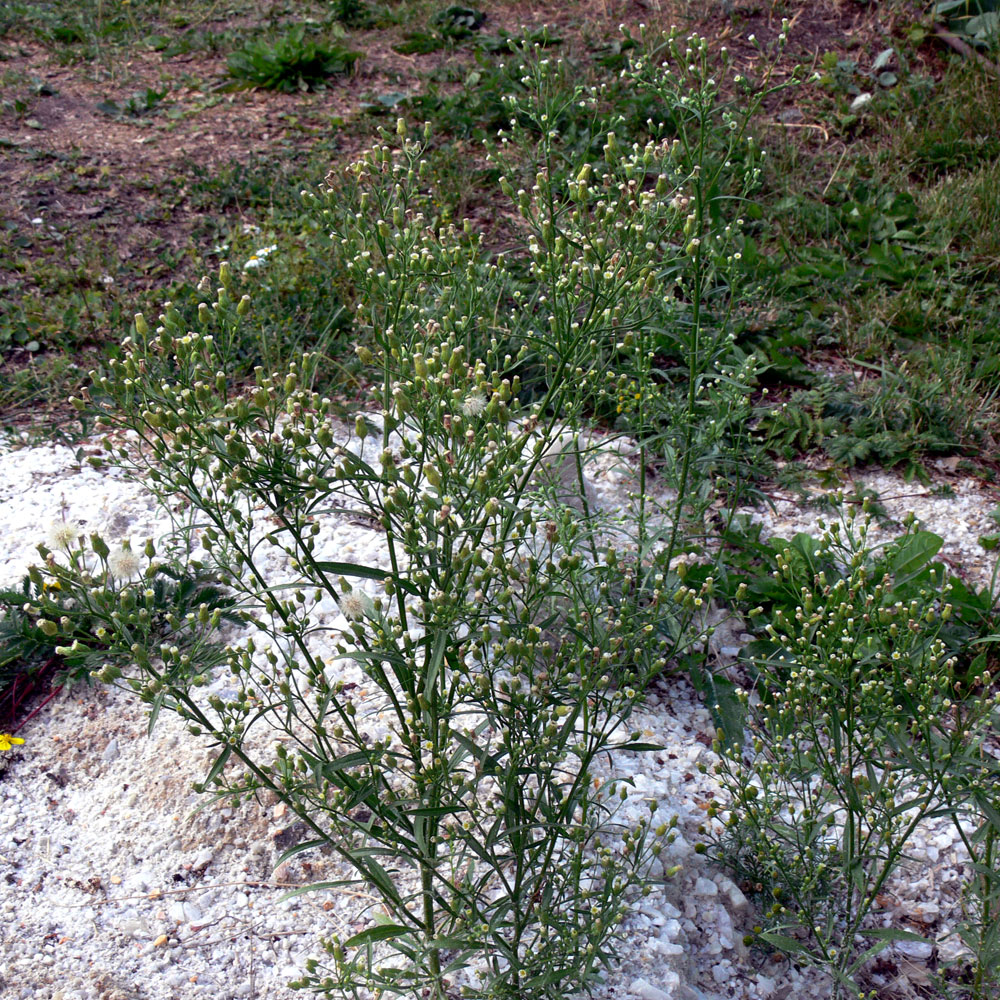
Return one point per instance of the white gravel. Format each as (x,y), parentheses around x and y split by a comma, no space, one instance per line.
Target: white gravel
(116,889)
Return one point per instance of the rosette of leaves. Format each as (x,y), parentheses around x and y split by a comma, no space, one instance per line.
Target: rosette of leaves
(292,62)
(978,21)
(452,24)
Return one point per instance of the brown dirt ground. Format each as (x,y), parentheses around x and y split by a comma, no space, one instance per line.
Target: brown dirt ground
(123,185)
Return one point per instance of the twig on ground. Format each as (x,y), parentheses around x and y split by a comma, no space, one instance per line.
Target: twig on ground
(966,50)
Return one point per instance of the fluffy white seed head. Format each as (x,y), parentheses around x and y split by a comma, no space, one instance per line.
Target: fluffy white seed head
(123,563)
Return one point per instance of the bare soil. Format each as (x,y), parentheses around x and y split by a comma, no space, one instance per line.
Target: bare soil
(125,196)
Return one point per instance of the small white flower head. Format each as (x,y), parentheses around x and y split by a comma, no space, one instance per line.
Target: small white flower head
(474,404)
(62,535)
(355,605)
(258,257)
(123,563)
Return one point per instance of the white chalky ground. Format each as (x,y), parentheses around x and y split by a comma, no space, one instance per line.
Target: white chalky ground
(114,890)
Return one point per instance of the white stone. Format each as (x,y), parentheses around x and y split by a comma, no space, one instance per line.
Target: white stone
(919,951)
(765,987)
(724,923)
(135,929)
(736,898)
(182,912)
(204,859)
(722,972)
(647,991)
(672,928)
(705,887)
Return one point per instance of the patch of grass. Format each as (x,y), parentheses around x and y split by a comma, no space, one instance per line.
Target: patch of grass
(964,203)
(883,255)
(69,303)
(107,35)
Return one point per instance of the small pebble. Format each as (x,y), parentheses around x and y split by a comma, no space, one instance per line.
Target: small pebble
(647,991)
(705,887)
(919,951)
(722,972)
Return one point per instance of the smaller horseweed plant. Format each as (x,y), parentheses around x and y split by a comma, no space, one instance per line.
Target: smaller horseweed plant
(863,729)
(505,636)
(87,597)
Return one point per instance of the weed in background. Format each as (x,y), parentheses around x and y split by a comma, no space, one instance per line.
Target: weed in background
(897,418)
(354,14)
(448,26)
(289,63)
(59,622)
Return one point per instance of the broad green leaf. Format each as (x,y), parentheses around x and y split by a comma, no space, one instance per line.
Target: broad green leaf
(984,26)
(913,558)
(882,60)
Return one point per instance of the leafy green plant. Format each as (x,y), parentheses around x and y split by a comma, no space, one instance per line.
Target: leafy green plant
(977,821)
(289,63)
(894,419)
(65,611)
(354,14)
(773,575)
(449,25)
(511,628)
(457,21)
(978,21)
(860,733)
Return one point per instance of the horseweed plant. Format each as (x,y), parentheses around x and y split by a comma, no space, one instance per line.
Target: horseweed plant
(860,734)
(510,628)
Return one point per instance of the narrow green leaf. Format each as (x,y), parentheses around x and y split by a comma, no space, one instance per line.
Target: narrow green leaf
(320,886)
(381,932)
(784,943)
(352,570)
(305,845)
(894,934)
(220,763)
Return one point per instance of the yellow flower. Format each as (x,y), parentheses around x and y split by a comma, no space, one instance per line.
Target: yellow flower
(6,741)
